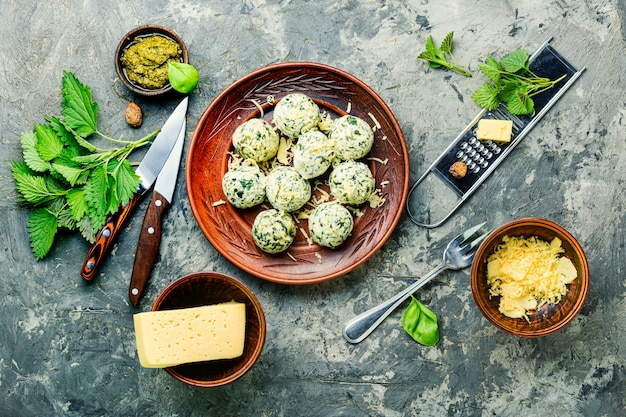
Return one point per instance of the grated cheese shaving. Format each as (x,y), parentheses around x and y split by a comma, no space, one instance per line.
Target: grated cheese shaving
(376,200)
(285,151)
(258,106)
(374,120)
(373,158)
(218,203)
(527,273)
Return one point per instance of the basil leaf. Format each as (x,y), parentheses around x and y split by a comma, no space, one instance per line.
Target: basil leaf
(183,77)
(420,323)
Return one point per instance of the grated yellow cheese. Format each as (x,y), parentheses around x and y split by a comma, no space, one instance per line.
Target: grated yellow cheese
(526,273)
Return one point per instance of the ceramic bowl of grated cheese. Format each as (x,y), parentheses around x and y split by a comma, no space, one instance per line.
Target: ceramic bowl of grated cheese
(530,277)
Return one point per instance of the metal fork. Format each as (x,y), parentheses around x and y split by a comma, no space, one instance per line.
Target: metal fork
(458,255)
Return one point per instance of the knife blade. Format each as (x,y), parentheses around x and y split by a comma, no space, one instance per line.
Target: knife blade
(147,171)
(150,234)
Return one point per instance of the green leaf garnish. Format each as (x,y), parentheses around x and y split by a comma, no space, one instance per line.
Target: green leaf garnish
(438,57)
(42,226)
(79,111)
(420,323)
(183,77)
(511,82)
(67,181)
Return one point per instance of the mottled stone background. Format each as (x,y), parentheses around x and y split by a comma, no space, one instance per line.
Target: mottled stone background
(67,348)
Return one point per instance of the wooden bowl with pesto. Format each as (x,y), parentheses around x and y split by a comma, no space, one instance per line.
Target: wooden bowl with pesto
(142,57)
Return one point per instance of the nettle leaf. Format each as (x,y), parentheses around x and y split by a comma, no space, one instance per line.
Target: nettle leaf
(48,144)
(491,69)
(487,96)
(79,111)
(68,168)
(76,202)
(446,44)
(430,46)
(515,61)
(89,160)
(42,227)
(71,173)
(126,182)
(28,141)
(520,103)
(70,141)
(32,188)
(86,229)
(96,194)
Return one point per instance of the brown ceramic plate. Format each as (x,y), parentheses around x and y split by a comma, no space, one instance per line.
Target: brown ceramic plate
(550,317)
(229,229)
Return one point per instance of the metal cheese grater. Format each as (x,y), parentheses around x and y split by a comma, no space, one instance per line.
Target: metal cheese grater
(481,157)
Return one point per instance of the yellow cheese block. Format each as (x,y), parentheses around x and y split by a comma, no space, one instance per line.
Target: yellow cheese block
(173,337)
(495,130)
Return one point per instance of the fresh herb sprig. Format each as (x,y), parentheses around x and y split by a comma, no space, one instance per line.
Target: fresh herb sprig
(437,57)
(512,82)
(66,180)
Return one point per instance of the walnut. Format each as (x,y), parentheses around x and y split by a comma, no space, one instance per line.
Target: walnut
(134,116)
(458,170)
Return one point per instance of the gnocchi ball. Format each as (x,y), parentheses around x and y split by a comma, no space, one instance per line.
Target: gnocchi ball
(286,189)
(313,154)
(330,224)
(273,231)
(353,137)
(244,186)
(351,182)
(256,139)
(295,114)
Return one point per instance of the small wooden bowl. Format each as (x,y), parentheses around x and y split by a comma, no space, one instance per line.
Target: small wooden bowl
(205,288)
(128,39)
(550,317)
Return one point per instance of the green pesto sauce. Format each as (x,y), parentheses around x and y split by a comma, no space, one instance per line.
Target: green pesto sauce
(145,60)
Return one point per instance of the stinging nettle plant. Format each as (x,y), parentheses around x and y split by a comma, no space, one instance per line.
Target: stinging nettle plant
(68,182)
(511,82)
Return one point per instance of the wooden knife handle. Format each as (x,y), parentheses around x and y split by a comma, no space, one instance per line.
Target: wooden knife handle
(106,237)
(147,246)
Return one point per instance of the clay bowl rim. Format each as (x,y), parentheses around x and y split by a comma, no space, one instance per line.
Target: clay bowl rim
(520,327)
(252,305)
(146,30)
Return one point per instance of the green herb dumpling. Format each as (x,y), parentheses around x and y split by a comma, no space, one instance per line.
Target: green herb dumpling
(351,182)
(313,154)
(330,224)
(256,139)
(244,186)
(286,189)
(353,137)
(273,231)
(295,114)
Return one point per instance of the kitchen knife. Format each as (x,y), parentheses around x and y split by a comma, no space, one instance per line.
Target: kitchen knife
(148,170)
(150,234)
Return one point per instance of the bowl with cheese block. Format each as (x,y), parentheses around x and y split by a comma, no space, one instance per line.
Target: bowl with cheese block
(205,329)
(530,277)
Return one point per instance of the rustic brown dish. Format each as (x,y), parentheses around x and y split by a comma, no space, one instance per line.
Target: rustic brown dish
(229,229)
(128,39)
(549,318)
(205,288)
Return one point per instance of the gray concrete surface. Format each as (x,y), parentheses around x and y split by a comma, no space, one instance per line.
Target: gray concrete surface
(67,348)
